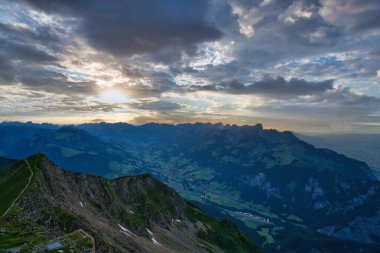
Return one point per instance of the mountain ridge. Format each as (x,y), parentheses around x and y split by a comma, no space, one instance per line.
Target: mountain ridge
(129,214)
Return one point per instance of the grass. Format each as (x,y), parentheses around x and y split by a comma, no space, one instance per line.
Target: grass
(209,247)
(13,181)
(66,152)
(5,162)
(264,232)
(77,241)
(252,224)
(223,234)
(19,233)
(294,218)
(133,221)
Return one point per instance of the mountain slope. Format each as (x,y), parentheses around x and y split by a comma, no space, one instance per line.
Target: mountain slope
(5,162)
(282,190)
(255,146)
(128,214)
(77,150)
(14,133)
(364,147)
(286,194)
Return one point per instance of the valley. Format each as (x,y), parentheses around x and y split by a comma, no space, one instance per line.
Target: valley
(287,195)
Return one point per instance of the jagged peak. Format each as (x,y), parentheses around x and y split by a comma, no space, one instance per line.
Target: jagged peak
(38,156)
(259,126)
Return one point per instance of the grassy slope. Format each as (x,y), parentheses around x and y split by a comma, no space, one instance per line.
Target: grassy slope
(19,232)
(12,182)
(222,233)
(5,162)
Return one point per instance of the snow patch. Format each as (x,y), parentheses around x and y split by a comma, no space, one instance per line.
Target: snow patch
(125,231)
(150,232)
(153,239)
(81,204)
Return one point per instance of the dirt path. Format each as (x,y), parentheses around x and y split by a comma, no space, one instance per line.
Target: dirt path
(23,190)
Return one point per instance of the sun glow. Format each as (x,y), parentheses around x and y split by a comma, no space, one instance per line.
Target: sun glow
(112,96)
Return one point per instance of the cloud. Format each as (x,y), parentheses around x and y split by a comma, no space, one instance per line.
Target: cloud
(160,106)
(317,58)
(41,34)
(354,15)
(147,82)
(348,100)
(16,52)
(50,81)
(296,11)
(272,87)
(26,57)
(161,28)
(336,105)
(25,52)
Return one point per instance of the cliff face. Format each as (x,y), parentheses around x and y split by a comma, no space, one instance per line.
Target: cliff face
(128,214)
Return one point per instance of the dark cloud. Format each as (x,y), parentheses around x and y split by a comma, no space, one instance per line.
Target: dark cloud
(160,106)
(18,50)
(43,34)
(183,70)
(163,28)
(340,104)
(289,30)
(348,99)
(274,87)
(54,82)
(276,41)
(35,76)
(25,57)
(17,58)
(354,15)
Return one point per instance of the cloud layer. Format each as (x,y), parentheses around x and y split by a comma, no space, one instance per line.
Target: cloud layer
(306,65)
(272,87)
(163,29)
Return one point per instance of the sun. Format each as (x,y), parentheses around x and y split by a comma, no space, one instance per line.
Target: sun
(112,96)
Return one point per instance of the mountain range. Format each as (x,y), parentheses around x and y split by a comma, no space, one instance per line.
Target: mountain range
(41,205)
(287,195)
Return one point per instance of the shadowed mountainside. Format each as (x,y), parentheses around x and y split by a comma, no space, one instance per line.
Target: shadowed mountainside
(128,214)
(364,147)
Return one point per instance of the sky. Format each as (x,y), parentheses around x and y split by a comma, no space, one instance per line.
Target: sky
(300,65)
